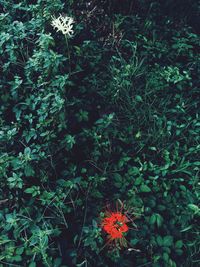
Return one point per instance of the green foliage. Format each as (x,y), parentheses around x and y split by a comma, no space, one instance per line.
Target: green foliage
(122,124)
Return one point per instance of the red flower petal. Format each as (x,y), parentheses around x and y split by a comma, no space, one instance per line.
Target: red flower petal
(115,225)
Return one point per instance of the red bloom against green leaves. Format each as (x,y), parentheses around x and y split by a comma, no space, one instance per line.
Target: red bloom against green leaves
(115,225)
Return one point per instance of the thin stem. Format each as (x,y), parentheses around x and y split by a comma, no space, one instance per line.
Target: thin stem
(85,214)
(68,53)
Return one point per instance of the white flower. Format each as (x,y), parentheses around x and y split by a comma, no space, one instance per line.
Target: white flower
(63,24)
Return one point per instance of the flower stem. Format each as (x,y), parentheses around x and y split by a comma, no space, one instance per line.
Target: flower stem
(68,54)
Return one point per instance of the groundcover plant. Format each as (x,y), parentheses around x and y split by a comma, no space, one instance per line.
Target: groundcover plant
(99,133)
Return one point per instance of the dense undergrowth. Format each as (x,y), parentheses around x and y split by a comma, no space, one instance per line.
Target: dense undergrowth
(118,121)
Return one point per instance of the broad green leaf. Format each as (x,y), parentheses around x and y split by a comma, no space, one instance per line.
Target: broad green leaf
(179,244)
(145,188)
(159,240)
(153,219)
(168,241)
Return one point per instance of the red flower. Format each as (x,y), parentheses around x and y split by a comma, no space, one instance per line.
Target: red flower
(115,225)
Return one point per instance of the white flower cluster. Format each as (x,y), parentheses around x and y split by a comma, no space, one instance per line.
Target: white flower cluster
(63,24)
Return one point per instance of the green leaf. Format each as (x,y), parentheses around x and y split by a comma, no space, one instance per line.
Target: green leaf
(17,258)
(57,262)
(138,98)
(27,151)
(159,220)
(29,190)
(138,181)
(153,219)
(168,241)
(28,170)
(19,251)
(194,208)
(145,188)
(133,171)
(32,264)
(179,244)
(165,256)
(159,240)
